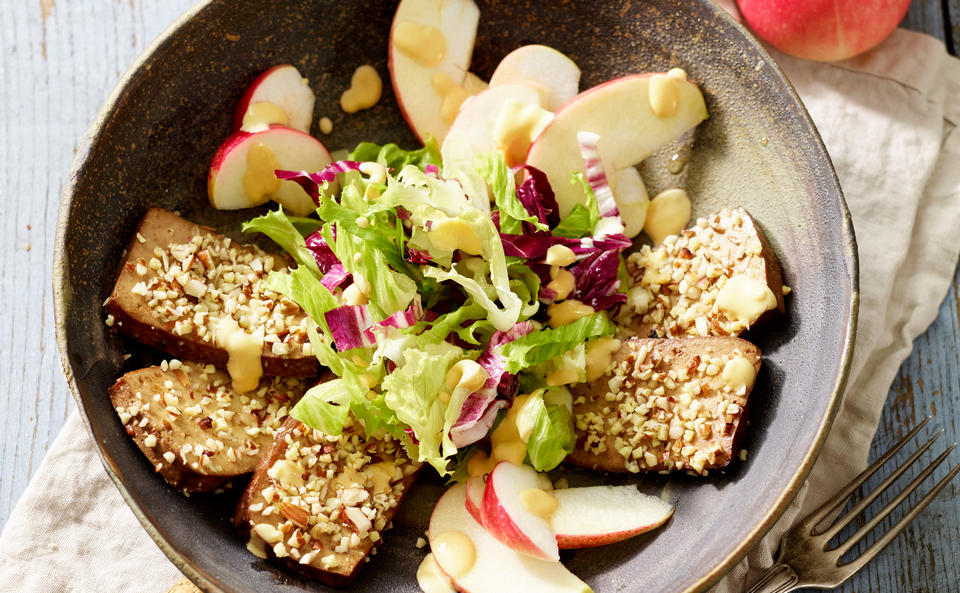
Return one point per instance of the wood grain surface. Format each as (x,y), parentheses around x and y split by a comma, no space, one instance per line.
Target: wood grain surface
(59,59)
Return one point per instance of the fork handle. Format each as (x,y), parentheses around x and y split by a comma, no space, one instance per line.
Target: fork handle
(779,578)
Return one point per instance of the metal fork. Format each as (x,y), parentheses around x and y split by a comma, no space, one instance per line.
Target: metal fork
(804,559)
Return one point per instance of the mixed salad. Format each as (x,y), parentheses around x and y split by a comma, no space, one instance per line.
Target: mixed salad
(459,293)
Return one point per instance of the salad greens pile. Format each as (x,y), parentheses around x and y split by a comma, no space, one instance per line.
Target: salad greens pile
(404,276)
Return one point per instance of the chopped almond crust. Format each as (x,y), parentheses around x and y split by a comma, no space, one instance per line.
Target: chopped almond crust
(178,277)
(675,285)
(194,428)
(664,404)
(320,503)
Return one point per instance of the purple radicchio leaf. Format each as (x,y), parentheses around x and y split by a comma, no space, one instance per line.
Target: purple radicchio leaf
(597,281)
(537,197)
(325,257)
(480,408)
(335,276)
(311,182)
(417,256)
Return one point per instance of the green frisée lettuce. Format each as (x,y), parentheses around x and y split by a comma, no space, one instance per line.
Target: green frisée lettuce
(416,238)
(390,291)
(494,170)
(325,407)
(581,221)
(540,346)
(552,437)
(278,226)
(482,290)
(411,392)
(394,157)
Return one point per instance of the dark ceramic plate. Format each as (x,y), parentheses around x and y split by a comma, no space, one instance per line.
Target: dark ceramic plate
(154,140)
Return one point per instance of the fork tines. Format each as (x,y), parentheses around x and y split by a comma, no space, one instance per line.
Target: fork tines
(821,537)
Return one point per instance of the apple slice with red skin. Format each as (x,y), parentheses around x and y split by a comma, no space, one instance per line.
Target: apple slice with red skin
(292,149)
(286,88)
(472,132)
(598,515)
(497,568)
(420,103)
(556,75)
(504,515)
(620,113)
(475,487)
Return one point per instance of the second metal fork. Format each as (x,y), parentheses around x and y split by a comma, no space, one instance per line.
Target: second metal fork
(805,561)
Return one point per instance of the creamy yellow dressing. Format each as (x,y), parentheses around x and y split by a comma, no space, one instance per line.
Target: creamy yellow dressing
(364,92)
(452,234)
(431,578)
(455,552)
(326,125)
(745,299)
(260,115)
(382,474)
(260,179)
(663,95)
(422,43)
(739,372)
(668,214)
(567,312)
(453,95)
(539,502)
(560,255)
(243,350)
(516,127)
(559,377)
(563,283)
(599,356)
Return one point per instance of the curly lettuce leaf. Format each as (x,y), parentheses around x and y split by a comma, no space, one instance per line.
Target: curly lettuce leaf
(411,392)
(540,346)
(395,158)
(494,170)
(552,437)
(276,225)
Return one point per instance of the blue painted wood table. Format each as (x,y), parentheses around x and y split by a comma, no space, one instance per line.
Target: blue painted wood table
(58,62)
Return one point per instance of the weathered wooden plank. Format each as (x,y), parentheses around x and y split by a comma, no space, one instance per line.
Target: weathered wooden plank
(925,557)
(953,24)
(59,62)
(926,16)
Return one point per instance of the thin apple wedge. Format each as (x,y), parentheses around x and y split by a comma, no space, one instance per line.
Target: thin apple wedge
(474,502)
(599,515)
(431,43)
(506,512)
(556,75)
(477,563)
(242,171)
(633,116)
(280,88)
(474,131)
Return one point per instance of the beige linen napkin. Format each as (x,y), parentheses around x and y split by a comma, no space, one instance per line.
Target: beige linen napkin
(888,120)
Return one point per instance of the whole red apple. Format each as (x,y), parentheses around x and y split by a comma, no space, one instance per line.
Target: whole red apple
(823,30)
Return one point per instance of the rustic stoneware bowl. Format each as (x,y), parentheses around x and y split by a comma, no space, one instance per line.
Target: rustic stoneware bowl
(153,142)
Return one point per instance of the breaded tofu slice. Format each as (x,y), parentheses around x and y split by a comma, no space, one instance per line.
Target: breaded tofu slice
(178,278)
(718,278)
(194,428)
(319,503)
(665,404)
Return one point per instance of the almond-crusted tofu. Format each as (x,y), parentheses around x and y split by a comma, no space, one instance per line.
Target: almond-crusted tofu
(665,404)
(683,287)
(179,278)
(194,428)
(319,503)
